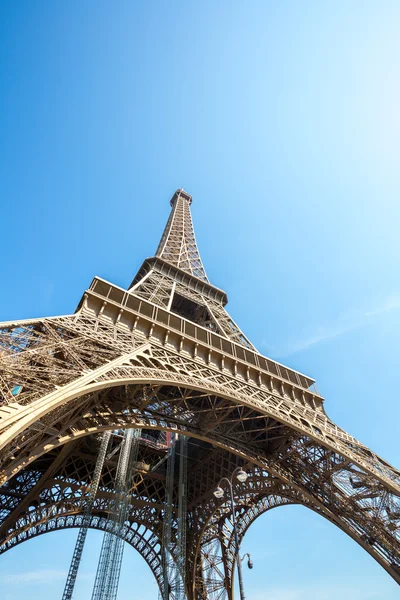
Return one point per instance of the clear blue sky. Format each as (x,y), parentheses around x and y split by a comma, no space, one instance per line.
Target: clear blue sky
(282,120)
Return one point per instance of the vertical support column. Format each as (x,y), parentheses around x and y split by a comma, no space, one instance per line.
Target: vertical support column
(168,563)
(182,520)
(80,542)
(109,566)
(174,547)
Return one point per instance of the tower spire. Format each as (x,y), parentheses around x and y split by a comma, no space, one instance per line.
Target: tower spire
(178,243)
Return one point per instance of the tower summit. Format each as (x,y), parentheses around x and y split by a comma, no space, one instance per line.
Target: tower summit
(181,194)
(178,243)
(165,357)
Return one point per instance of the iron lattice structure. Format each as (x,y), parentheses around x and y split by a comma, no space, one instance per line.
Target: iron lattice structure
(110,561)
(165,356)
(80,542)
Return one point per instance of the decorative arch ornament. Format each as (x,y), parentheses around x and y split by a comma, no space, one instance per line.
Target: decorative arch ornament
(165,355)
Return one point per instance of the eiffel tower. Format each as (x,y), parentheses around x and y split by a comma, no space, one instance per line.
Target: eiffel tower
(165,356)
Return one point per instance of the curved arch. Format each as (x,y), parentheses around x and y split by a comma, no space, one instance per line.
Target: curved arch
(135,404)
(250,504)
(31,521)
(126,371)
(215,558)
(263,506)
(147,546)
(130,415)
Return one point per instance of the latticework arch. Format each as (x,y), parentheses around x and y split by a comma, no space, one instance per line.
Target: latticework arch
(144,541)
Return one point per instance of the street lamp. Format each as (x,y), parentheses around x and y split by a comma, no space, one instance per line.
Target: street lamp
(219,493)
(249,562)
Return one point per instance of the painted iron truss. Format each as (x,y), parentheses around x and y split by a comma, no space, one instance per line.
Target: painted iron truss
(165,356)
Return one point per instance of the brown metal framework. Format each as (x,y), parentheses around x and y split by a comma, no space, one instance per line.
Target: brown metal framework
(165,356)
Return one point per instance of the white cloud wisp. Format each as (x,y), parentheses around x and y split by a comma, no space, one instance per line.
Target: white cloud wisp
(343,324)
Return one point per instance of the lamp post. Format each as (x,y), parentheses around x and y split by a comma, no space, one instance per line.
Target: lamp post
(219,493)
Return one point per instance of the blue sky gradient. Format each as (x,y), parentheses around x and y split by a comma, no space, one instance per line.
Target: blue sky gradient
(282,120)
